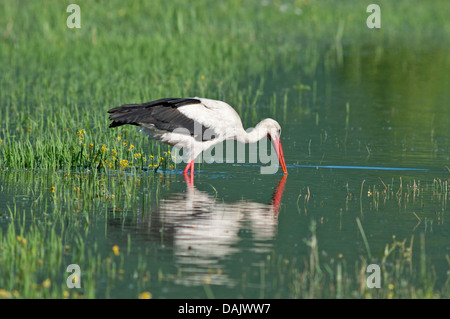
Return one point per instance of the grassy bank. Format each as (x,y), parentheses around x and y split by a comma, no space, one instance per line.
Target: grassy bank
(57,81)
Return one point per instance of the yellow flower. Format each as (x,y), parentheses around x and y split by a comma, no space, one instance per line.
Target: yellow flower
(53,189)
(104,149)
(145,295)
(123,163)
(46,283)
(81,134)
(119,138)
(114,151)
(116,250)
(5,294)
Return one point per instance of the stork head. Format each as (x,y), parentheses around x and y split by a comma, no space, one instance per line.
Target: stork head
(274,134)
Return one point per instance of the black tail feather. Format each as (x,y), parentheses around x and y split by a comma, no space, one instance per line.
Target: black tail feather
(163,113)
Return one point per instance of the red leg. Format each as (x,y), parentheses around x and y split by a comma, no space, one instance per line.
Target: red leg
(189,180)
(188,166)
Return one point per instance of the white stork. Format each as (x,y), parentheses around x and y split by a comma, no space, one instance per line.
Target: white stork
(194,124)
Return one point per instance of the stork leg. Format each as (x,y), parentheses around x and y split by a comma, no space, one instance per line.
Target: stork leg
(189,166)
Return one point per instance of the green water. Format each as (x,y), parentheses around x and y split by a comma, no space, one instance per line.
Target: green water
(381,119)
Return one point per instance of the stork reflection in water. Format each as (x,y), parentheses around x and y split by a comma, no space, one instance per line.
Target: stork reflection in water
(203,230)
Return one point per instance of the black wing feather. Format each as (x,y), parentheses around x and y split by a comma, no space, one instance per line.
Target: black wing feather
(162,113)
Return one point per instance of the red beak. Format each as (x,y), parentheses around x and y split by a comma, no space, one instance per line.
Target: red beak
(279,149)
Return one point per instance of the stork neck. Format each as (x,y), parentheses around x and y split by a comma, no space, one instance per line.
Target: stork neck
(254,136)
